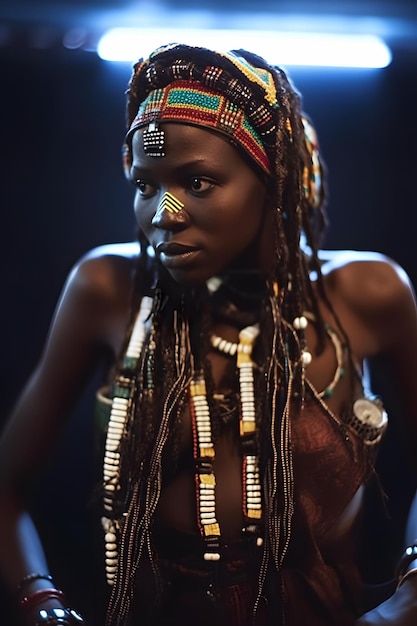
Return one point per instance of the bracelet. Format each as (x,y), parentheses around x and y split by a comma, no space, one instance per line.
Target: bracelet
(411,572)
(54,617)
(409,555)
(30,578)
(38,596)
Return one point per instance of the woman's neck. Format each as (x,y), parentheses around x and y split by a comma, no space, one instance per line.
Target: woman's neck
(237,298)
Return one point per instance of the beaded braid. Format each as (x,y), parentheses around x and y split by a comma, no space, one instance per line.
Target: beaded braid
(288,293)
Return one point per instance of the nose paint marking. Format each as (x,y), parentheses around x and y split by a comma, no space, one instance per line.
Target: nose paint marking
(170,203)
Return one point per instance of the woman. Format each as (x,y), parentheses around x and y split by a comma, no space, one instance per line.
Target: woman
(242,434)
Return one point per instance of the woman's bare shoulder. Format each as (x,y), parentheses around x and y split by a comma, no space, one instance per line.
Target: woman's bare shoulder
(114,257)
(96,298)
(373,288)
(369,276)
(106,270)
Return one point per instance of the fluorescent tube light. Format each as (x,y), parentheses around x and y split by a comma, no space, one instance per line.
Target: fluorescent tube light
(281,48)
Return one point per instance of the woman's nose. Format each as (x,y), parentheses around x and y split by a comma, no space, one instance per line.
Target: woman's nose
(170,214)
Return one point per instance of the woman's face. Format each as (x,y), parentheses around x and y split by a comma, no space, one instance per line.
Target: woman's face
(224,203)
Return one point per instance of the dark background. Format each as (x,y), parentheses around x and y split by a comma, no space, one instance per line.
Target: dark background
(62,192)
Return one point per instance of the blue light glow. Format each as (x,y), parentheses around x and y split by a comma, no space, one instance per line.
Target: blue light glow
(282,48)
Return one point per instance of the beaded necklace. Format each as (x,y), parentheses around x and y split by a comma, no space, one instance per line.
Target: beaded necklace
(123,400)
(204,453)
(122,403)
(299,323)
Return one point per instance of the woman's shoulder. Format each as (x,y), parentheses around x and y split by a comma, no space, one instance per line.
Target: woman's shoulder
(371,276)
(370,288)
(106,268)
(96,298)
(118,255)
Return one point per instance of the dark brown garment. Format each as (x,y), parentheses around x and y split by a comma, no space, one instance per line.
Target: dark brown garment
(319,584)
(320,578)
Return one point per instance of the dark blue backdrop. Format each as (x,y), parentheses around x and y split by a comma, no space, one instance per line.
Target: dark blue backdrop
(62,191)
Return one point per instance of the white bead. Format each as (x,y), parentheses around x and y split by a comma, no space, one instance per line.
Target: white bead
(204,429)
(110,463)
(114,455)
(207,497)
(113,437)
(306,357)
(211,556)
(300,323)
(115,430)
(120,403)
(117,414)
(111,554)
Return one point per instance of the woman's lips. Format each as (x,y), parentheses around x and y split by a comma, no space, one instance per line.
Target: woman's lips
(174,249)
(176,255)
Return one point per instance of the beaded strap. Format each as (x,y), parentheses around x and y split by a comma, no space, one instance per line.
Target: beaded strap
(252,497)
(204,452)
(30,578)
(205,478)
(121,404)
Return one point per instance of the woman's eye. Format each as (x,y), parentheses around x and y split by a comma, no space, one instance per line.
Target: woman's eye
(145,189)
(200,185)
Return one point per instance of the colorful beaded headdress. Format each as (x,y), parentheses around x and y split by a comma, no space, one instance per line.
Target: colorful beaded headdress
(209,96)
(192,103)
(221,91)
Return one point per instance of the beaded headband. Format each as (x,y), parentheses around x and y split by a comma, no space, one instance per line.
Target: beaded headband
(189,102)
(221,91)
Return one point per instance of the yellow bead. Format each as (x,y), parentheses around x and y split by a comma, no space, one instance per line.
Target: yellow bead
(212,529)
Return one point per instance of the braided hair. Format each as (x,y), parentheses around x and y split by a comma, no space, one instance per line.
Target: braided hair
(175,344)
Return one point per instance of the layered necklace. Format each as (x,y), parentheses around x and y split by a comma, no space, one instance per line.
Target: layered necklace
(203,443)
(204,451)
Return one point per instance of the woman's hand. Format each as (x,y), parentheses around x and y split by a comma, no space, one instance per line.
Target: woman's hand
(50,617)
(399,610)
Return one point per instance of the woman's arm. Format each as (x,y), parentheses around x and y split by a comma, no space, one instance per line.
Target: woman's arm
(89,319)
(393,320)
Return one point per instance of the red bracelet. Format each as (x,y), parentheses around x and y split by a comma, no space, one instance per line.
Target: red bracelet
(38,596)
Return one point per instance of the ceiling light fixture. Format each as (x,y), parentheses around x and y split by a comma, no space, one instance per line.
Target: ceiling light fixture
(281,48)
